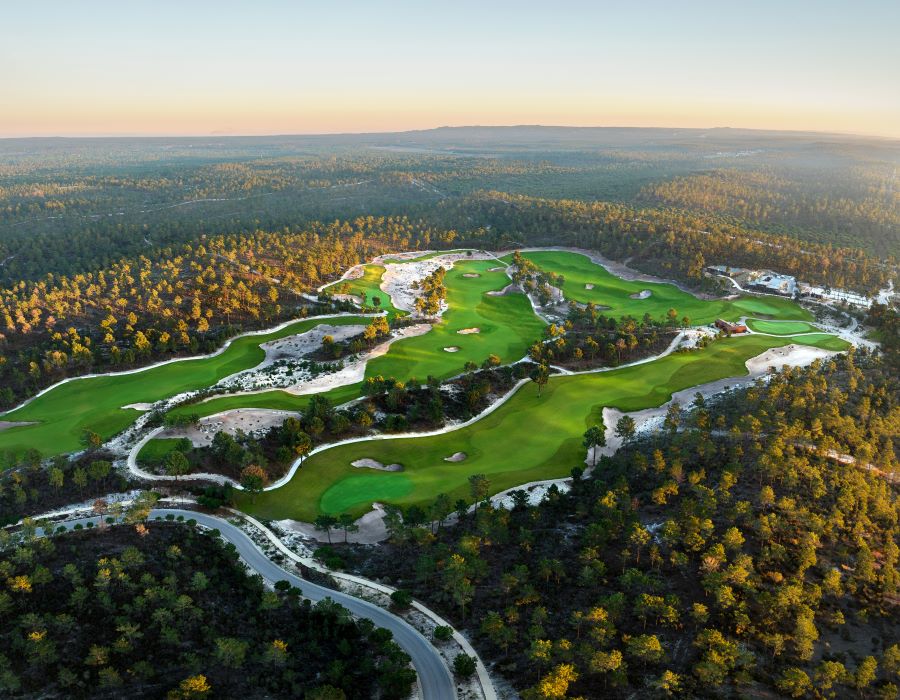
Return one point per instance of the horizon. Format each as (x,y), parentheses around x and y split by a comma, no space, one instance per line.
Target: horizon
(100,69)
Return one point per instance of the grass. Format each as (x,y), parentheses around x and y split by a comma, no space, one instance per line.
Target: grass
(95,403)
(780,327)
(615,293)
(370,285)
(507,327)
(154,451)
(526,439)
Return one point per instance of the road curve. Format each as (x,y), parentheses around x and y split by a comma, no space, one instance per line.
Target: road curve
(435,681)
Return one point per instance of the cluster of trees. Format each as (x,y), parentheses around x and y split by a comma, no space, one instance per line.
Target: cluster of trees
(860,211)
(588,338)
(536,281)
(668,243)
(29,486)
(736,549)
(432,293)
(176,301)
(163,610)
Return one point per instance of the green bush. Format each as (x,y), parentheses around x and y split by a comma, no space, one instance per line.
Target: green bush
(464,665)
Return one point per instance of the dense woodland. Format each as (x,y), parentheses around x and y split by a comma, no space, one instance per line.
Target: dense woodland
(164,610)
(739,549)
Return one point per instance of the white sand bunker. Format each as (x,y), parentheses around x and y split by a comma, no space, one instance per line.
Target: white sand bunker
(367,463)
(643,294)
(511,288)
(497,269)
(471,274)
(452,348)
(468,331)
(588,286)
(456,457)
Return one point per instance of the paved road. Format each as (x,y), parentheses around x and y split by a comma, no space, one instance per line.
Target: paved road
(434,679)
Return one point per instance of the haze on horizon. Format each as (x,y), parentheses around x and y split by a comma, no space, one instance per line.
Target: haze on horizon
(200,68)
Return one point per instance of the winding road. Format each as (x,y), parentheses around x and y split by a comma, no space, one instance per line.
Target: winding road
(435,682)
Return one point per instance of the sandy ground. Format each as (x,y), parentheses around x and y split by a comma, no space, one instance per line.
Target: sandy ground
(371,528)
(588,286)
(468,331)
(366,463)
(4,424)
(471,274)
(247,420)
(456,457)
(452,348)
(508,289)
(643,294)
(355,370)
(140,406)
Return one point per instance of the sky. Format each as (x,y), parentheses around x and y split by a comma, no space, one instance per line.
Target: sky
(196,67)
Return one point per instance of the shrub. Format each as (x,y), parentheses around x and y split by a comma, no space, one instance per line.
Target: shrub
(443,633)
(401,599)
(464,665)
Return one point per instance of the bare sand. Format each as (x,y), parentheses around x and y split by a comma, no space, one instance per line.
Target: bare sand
(471,274)
(643,294)
(4,424)
(511,288)
(452,348)
(456,457)
(247,420)
(366,463)
(588,286)
(468,331)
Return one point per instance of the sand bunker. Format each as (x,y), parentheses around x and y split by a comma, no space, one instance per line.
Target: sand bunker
(589,286)
(4,424)
(511,288)
(468,331)
(643,294)
(452,348)
(471,274)
(497,269)
(367,463)
(456,457)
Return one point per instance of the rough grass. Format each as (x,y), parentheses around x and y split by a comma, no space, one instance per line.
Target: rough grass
(615,293)
(94,403)
(526,439)
(154,451)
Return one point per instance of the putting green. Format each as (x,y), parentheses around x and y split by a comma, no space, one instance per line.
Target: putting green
(95,403)
(507,327)
(780,327)
(370,285)
(526,439)
(611,291)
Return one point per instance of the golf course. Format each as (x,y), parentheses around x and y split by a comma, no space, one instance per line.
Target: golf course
(368,286)
(779,327)
(586,281)
(62,413)
(527,438)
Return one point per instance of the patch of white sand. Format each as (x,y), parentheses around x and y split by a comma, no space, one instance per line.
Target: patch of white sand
(588,286)
(252,421)
(643,294)
(508,289)
(468,331)
(456,457)
(366,463)
(471,274)
(140,406)
(452,348)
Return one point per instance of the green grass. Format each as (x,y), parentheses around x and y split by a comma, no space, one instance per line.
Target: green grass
(95,403)
(507,324)
(780,327)
(155,450)
(615,293)
(526,439)
(370,285)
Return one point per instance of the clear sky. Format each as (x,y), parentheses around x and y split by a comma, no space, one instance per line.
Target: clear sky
(92,67)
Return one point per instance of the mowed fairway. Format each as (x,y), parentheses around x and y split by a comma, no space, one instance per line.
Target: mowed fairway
(370,285)
(526,439)
(614,292)
(95,403)
(507,327)
(780,327)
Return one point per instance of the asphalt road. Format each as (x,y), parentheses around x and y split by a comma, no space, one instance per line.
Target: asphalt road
(435,681)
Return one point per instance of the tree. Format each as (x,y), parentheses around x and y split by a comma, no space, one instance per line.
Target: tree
(176,464)
(347,524)
(540,376)
(191,688)
(479,487)
(464,665)
(594,437)
(325,523)
(90,439)
(254,479)
(794,682)
(625,428)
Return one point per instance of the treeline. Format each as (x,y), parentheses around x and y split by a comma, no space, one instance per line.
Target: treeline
(856,209)
(164,611)
(736,551)
(667,243)
(178,301)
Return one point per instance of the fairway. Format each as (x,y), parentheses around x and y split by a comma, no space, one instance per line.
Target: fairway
(526,439)
(507,327)
(615,293)
(95,403)
(370,285)
(780,327)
